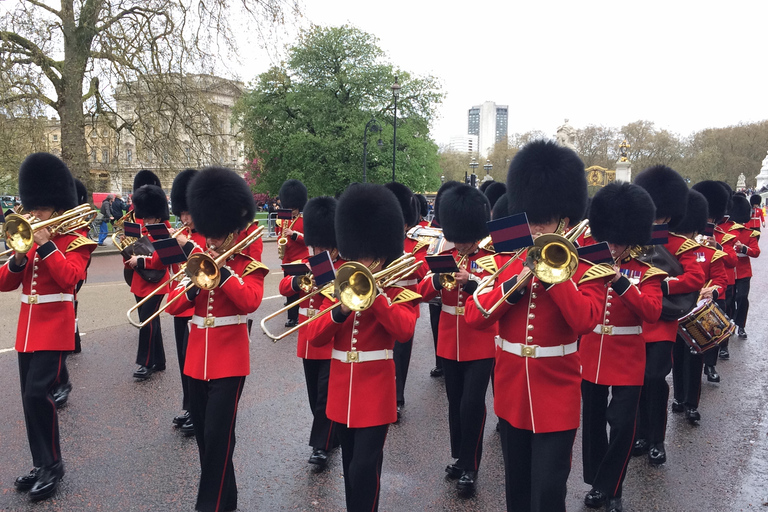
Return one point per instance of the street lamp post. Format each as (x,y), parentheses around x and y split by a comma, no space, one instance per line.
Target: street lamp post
(374,127)
(395,94)
(488,168)
(473,165)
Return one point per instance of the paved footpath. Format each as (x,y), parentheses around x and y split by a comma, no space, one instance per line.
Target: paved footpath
(122,454)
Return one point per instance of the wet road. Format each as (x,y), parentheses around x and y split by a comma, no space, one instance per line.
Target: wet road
(122,454)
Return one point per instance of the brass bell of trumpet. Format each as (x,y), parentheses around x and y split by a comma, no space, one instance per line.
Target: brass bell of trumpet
(448,281)
(19,231)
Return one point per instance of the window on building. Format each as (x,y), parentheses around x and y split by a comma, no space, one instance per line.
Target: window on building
(128,156)
(188,153)
(93,155)
(105,156)
(55,137)
(116,154)
(150,156)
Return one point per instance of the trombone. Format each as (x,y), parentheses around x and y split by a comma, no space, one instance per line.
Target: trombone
(202,270)
(19,230)
(552,258)
(354,286)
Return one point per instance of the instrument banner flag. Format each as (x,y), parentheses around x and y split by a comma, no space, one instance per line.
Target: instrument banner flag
(442,264)
(132,230)
(322,268)
(158,231)
(596,253)
(660,235)
(169,251)
(285,213)
(709,230)
(510,233)
(295,269)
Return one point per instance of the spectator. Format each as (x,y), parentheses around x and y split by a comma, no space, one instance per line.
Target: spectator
(118,207)
(106,212)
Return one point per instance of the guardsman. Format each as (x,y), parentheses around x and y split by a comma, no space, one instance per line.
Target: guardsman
(361,387)
(746,247)
(218,350)
(467,353)
(538,371)
(150,206)
(48,274)
(757,218)
(320,236)
(687,365)
(423,210)
(494,192)
(293,196)
(613,354)
(669,193)
(718,198)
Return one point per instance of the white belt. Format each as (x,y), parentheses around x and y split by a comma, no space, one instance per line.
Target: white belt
(614,330)
(407,282)
(308,312)
(453,310)
(356,356)
(218,321)
(45,299)
(535,351)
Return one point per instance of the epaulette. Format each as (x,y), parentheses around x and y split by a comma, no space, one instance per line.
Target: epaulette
(328,293)
(78,242)
(487,263)
(686,246)
(653,271)
(486,244)
(755,233)
(419,246)
(253,265)
(596,271)
(727,238)
(718,254)
(405,295)
(736,226)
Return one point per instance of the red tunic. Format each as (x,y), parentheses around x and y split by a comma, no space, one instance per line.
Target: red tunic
(751,249)
(222,351)
(542,394)
(54,268)
(730,260)
(757,218)
(712,261)
(363,394)
(456,340)
(139,286)
(295,250)
(692,279)
(613,359)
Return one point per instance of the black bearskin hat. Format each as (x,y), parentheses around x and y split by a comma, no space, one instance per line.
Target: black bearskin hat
(423,205)
(319,215)
(696,214)
(293,195)
(464,212)
(150,201)
(484,186)
(668,191)
(717,198)
(220,202)
(45,181)
(755,199)
(369,223)
(547,182)
(741,211)
(82,192)
(494,191)
(145,177)
(408,203)
(442,190)
(728,189)
(179,191)
(501,208)
(623,214)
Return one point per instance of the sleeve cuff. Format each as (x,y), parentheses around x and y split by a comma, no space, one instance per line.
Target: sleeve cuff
(507,285)
(744,249)
(665,288)
(294,236)
(46,249)
(715,294)
(13,267)
(295,284)
(225,274)
(621,285)
(471,286)
(192,293)
(338,317)
(436,282)
(188,248)
(141,263)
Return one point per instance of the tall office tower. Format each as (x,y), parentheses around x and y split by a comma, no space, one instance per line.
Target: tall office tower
(489,122)
(464,144)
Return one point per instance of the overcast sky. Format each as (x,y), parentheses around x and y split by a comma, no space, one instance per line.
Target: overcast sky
(683,65)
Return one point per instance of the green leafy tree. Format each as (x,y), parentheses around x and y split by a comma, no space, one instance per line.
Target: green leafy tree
(306,118)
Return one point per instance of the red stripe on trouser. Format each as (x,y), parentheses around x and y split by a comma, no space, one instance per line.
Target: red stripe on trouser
(229,443)
(55,421)
(629,453)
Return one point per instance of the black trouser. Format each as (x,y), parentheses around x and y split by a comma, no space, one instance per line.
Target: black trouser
(293,313)
(402,356)
(434,321)
(213,408)
(652,415)
(605,457)
(686,373)
(181,333)
(39,373)
(466,383)
(323,433)
(741,301)
(151,352)
(729,301)
(536,468)
(64,376)
(362,453)
(710,356)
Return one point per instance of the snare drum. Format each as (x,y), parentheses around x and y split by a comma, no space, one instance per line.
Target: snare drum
(705,327)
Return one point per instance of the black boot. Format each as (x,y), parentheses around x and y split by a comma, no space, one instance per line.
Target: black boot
(26,482)
(47,482)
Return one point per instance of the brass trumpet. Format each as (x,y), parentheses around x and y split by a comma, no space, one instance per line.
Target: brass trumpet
(282,242)
(448,281)
(120,231)
(202,270)
(19,231)
(355,287)
(552,258)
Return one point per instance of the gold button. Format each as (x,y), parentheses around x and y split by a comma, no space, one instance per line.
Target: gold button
(530,327)
(533,306)
(529,338)
(531,315)
(533,295)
